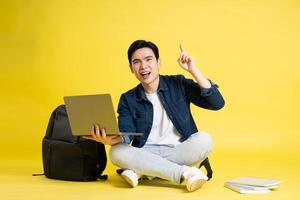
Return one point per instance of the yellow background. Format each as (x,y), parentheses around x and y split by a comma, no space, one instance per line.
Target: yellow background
(50,49)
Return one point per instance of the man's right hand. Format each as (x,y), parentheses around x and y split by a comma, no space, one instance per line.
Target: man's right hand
(99,135)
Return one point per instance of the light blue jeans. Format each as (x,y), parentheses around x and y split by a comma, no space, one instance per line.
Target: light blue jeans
(163,161)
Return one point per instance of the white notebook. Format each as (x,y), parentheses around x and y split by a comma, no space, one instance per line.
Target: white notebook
(246,190)
(251,185)
(260,182)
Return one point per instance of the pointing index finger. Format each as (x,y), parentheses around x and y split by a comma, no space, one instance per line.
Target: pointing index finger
(181,48)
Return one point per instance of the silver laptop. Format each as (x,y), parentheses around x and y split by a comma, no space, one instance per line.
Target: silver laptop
(86,110)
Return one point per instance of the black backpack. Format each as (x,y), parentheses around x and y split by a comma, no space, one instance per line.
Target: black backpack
(68,157)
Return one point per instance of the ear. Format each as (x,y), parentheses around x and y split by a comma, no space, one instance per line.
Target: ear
(131,68)
(158,63)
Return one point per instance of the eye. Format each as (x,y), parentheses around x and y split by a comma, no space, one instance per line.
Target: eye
(149,59)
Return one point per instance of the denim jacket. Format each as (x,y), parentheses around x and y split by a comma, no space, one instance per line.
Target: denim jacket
(175,93)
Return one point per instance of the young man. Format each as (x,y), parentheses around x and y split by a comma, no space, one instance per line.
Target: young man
(159,107)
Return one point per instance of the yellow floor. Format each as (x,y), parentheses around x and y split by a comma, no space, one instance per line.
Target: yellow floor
(17,182)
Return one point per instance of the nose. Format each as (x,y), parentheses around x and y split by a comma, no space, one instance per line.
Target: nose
(143,65)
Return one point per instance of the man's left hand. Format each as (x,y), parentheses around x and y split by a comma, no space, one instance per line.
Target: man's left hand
(188,64)
(186,61)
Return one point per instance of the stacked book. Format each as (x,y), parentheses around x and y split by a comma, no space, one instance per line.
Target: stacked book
(250,185)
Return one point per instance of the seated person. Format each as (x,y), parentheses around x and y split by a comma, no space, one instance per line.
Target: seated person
(159,107)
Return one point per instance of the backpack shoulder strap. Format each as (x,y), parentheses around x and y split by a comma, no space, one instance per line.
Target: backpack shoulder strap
(207,166)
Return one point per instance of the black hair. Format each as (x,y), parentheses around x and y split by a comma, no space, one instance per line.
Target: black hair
(138,44)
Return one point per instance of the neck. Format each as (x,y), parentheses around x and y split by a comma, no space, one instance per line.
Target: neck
(151,87)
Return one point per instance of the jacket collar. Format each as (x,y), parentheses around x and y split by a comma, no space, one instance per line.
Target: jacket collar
(140,92)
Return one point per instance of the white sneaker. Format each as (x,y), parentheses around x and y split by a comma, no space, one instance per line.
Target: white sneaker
(194,178)
(131,177)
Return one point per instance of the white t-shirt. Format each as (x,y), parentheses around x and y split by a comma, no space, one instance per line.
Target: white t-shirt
(163,130)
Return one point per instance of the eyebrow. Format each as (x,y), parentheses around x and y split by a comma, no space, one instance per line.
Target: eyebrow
(143,58)
(148,57)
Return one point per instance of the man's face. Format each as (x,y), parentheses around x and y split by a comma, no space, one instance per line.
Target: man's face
(145,66)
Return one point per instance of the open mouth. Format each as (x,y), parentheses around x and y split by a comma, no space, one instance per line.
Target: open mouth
(145,75)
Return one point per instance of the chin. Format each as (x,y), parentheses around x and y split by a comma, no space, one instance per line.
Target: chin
(149,80)
(145,81)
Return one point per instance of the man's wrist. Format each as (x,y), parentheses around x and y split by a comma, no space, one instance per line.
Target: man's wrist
(118,140)
(200,79)
(122,139)
(194,70)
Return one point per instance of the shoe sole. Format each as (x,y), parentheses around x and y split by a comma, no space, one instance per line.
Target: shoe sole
(129,181)
(194,184)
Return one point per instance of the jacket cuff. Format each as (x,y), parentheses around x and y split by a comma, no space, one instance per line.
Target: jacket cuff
(126,139)
(208,91)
